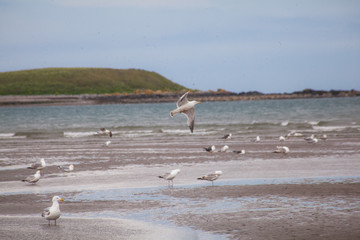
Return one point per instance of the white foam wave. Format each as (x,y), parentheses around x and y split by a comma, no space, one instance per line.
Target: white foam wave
(79,134)
(7,135)
(285,123)
(333,128)
(10,135)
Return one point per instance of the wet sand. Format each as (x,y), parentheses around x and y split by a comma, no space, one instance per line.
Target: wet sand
(311,193)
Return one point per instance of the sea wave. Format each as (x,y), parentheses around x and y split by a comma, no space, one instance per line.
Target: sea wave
(335,128)
(80,134)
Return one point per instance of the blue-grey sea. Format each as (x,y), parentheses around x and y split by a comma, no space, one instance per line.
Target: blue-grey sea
(211,118)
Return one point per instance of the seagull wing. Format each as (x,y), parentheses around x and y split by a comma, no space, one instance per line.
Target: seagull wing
(46,212)
(190,114)
(35,166)
(183,100)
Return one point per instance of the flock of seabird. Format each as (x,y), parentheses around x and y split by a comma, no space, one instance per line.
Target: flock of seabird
(185,107)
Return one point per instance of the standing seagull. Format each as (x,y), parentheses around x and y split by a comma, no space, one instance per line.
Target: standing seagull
(33,178)
(38,166)
(186,107)
(53,212)
(170,176)
(211,177)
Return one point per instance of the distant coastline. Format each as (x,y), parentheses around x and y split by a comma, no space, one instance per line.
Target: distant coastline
(220,95)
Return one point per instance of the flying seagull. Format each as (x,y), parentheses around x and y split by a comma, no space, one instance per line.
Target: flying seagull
(105,131)
(211,177)
(53,212)
(38,166)
(33,178)
(186,107)
(170,176)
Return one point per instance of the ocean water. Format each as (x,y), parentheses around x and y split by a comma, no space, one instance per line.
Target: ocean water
(141,120)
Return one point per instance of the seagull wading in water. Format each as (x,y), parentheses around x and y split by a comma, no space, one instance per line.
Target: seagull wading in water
(186,107)
(170,176)
(53,212)
(211,177)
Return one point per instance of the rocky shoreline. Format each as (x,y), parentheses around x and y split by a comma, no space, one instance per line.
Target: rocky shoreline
(89,99)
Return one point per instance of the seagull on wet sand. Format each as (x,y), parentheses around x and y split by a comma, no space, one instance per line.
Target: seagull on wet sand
(170,176)
(282,149)
(227,136)
(239,151)
(38,166)
(53,212)
(257,139)
(210,149)
(69,168)
(33,178)
(224,148)
(187,108)
(211,177)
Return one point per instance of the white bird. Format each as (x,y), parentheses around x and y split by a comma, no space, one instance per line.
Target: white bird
(53,212)
(105,131)
(107,143)
(227,136)
(323,137)
(211,177)
(187,108)
(240,151)
(33,178)
(310,138)
(282,149)
(281,138)
(38,166)
(224,148)
(210,149)
(257,139)
(170,176)
(313,140)
(69,168)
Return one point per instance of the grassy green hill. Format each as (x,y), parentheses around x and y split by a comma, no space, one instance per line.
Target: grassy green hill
(82,81)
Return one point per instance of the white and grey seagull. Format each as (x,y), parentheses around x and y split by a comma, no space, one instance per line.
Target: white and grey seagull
(69,168)
(38,166)
(170,176)
(211,177)
(53,212)
(187,108)
(33,178)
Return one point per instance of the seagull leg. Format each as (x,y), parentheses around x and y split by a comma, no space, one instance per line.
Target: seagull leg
(55,222)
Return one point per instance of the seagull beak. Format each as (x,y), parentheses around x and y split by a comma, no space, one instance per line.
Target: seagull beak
(62,200)
(199,102)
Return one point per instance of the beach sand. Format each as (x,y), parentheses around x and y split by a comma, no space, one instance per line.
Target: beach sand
(114,192)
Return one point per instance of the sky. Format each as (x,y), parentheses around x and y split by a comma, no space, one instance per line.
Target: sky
(237,45)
